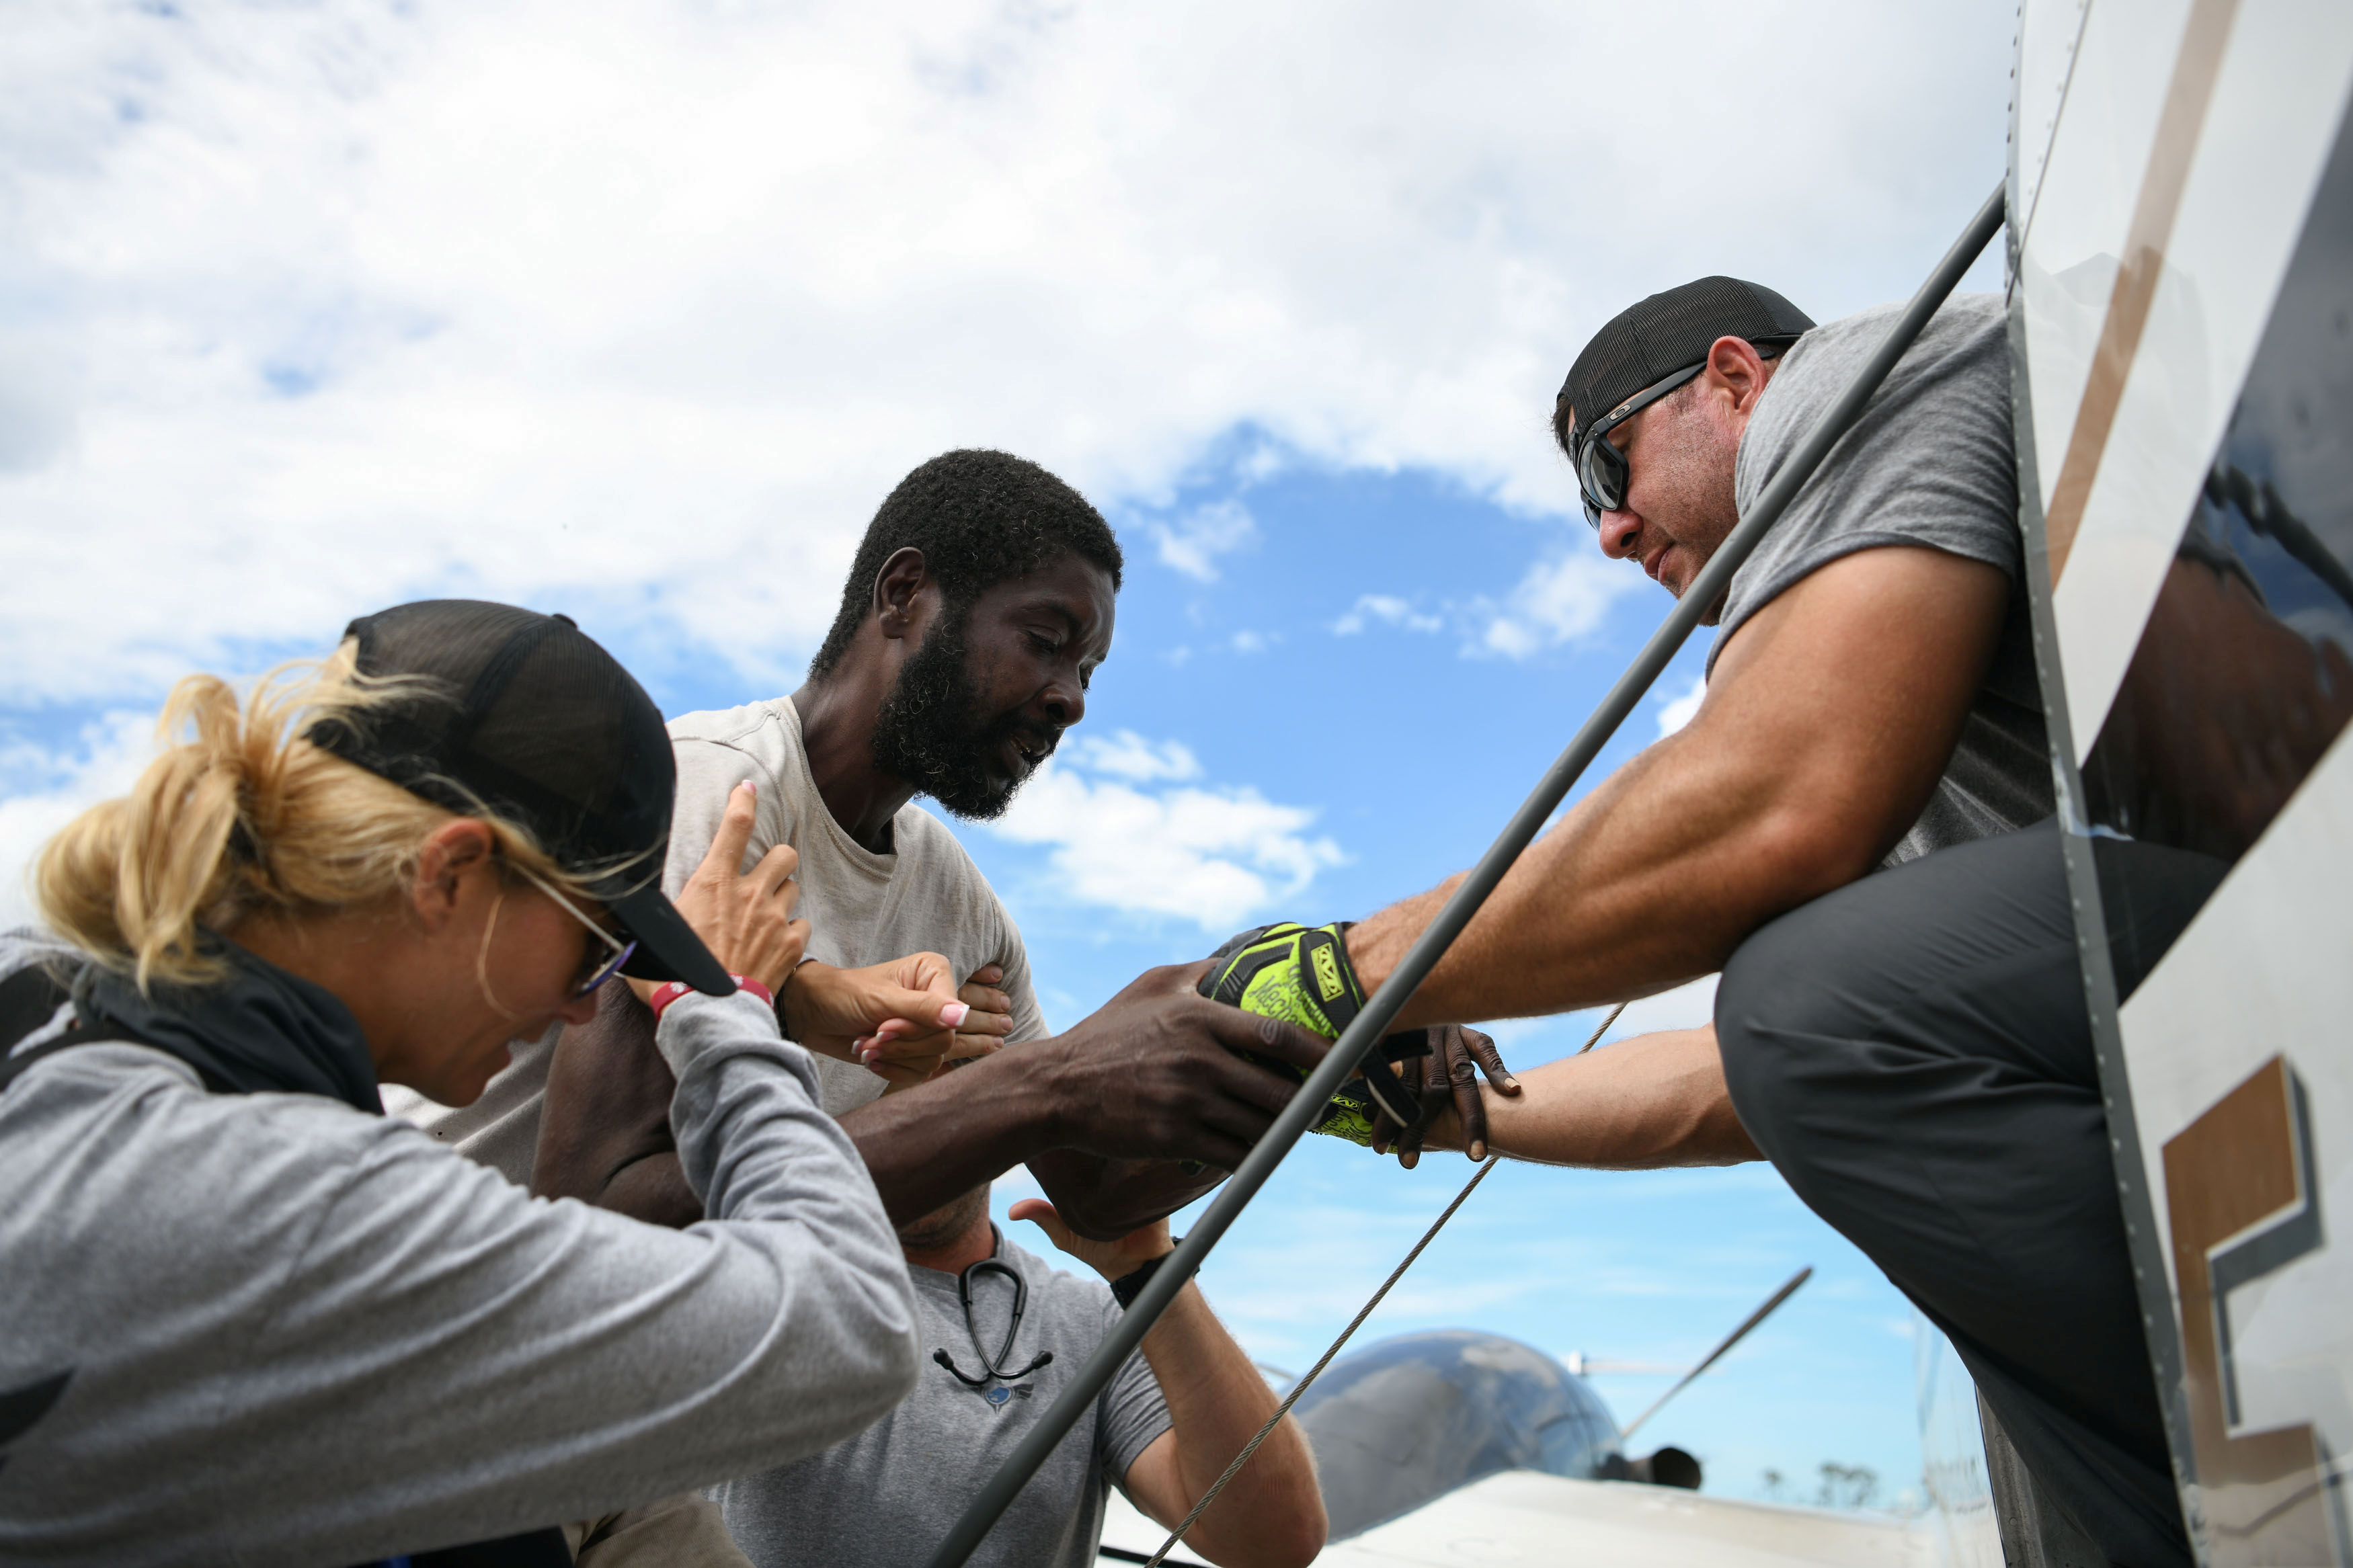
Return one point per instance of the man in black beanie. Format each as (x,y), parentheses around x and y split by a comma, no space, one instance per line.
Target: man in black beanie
(1854,830)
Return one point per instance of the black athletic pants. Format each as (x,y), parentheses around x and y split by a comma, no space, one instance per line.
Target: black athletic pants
(1914,1053)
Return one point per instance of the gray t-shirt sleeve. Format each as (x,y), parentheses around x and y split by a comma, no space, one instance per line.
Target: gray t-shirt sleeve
(1029,1019)
(1130,1412)
(708,773)
(1930,462)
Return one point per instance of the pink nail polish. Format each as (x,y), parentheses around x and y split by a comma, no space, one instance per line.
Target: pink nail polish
(955,1013)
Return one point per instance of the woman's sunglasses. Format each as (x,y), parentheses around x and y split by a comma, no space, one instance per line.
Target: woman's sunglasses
(622,952)
(1601,471)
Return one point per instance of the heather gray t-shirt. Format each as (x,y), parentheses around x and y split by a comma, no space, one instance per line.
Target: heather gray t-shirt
(924,896)
(888,1497)
(293,1332)
(1930,463)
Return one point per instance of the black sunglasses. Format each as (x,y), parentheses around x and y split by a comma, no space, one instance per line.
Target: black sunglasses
(1601,470)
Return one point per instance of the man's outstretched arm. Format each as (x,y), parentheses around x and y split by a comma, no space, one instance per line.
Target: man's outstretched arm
(1151,1076)
(1644,1104)
(1830,715)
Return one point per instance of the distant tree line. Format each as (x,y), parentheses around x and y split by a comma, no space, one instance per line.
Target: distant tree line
(1841,1486)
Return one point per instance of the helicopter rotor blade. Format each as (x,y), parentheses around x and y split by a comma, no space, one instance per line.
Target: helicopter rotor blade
(1730,1340)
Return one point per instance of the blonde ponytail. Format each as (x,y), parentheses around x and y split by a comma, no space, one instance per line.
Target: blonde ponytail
(239,814)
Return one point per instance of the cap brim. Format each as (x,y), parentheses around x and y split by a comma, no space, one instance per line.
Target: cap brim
(668,948)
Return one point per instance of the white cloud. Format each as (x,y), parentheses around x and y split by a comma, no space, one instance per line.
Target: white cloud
(1387,609)
(638,310)
(42,788)
(1253,642)
(1560,600)
(1125,754)
(1679,710)
(1209,854)
(1193,543)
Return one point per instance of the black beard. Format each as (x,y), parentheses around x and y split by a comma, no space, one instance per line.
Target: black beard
(927,733)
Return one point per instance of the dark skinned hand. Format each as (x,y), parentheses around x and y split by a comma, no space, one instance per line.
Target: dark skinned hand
(1102,1111)
(1456,1058)
(1153,1074)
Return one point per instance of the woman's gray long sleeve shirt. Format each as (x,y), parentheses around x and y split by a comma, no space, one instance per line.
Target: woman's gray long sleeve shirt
(300,1334)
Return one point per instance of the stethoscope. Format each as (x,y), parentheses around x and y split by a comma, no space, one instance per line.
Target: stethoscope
(989,1365)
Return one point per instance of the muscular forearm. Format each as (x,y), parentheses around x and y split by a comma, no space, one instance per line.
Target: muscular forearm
(1271,1514)
(1652,881)
(1827,720)
(1647,1103)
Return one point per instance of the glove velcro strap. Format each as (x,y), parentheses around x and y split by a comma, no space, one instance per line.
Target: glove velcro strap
(1330,978)
(1405,1044)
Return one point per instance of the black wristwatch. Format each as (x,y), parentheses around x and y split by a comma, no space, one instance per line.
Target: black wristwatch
(1130,1284)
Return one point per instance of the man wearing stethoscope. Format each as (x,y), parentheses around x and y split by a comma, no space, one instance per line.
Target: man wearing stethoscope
(1003,1330)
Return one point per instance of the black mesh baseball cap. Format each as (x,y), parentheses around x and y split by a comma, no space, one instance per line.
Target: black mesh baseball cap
(526,716)
(1645,343)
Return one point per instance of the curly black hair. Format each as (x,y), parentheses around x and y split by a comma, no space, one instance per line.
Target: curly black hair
(979,517)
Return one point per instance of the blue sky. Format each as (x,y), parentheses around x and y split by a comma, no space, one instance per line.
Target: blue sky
(636,311)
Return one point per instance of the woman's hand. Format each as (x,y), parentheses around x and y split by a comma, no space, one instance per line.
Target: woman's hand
(1112,1260)
(904,1059)
(991,1019)
(903,1012)
(746,919)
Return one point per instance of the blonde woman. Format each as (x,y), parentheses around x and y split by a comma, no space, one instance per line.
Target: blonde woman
(244,1317)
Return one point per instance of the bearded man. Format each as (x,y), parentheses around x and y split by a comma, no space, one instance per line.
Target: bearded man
(979,604)
(977,611)
(978,607)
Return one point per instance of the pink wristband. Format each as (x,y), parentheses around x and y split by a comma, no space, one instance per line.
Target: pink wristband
(671,991)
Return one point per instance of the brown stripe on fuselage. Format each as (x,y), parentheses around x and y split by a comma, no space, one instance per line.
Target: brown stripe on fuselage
(2178,127)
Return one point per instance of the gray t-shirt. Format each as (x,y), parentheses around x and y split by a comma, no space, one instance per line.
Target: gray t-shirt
(888,1496)
(925,895)
(1930,463)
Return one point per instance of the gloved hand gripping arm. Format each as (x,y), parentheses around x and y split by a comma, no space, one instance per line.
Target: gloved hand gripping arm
(1301,974)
